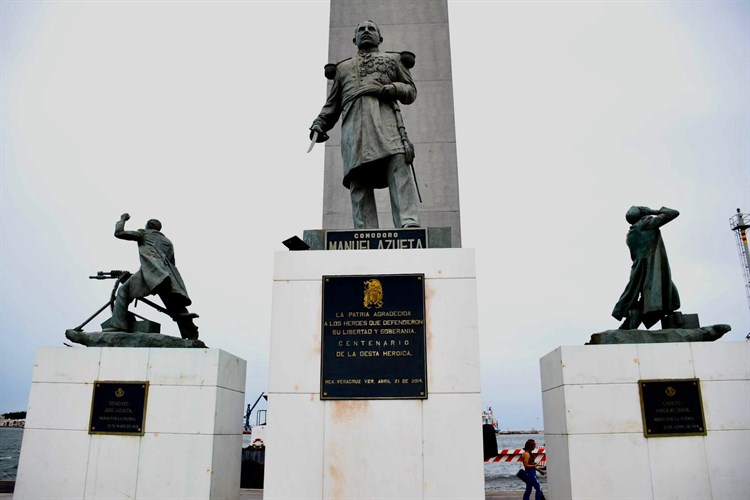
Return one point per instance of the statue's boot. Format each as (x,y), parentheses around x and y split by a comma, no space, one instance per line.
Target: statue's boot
(632,321)
(188,329)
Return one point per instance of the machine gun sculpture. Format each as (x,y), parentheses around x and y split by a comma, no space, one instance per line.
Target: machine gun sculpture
(188,329)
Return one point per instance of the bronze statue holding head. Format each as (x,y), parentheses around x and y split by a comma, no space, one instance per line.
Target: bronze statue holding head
(650,294)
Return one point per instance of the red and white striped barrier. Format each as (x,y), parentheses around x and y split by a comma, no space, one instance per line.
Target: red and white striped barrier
(515,456)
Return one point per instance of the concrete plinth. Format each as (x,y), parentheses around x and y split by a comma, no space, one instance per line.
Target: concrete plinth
(192,427)
(596,448)
(352,449)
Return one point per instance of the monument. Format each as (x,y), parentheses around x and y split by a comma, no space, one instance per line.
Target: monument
(650,295)
(374,334)
(135,414)
(158,275)
(375,148)
(621,419)
(420,27)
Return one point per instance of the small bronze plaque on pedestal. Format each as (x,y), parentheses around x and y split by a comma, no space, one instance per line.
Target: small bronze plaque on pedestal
(118,408)
(373,337)
(672,408)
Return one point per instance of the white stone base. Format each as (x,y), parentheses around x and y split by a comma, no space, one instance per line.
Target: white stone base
(191,448)
(593,427)
(375,448)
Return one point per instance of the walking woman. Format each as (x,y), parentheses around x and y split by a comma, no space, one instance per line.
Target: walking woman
(530,468)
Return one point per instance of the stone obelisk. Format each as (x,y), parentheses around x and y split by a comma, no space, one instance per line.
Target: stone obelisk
(374,380)
(419,26)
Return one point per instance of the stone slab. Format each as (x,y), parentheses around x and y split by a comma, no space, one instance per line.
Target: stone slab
(130,339)
(389,12)
(435,263)
(596,448)
(668,335)
(339,445)
(193,433)
(257,494)
(681,320)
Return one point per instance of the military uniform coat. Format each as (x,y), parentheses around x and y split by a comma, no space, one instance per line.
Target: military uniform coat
(369,131)
(650,275)
(158,273)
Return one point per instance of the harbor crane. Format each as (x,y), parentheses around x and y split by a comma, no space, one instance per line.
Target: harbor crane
(260,415)
(740,223)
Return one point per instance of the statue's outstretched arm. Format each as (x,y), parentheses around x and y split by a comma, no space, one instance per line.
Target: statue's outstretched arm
(120,230)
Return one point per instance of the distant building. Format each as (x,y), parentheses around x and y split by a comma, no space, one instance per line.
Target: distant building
(12,422)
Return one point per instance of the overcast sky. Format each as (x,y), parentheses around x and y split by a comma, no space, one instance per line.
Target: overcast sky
(196,113)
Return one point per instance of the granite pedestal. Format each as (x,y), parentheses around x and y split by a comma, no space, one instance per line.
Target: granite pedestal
(192,441)
(596,447)
(413,448)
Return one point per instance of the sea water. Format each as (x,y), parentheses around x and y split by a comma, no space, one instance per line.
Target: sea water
(497,475)
(502,475)
(10,450)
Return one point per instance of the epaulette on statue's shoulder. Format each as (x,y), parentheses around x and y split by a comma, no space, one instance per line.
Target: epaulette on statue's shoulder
(408,59)
(330,68)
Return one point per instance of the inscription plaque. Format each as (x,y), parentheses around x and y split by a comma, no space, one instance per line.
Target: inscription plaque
(118,408)
(376,239)
(672,408)
(373,337)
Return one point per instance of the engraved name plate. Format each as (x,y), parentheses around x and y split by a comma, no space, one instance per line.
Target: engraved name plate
(672,408)
(118,408)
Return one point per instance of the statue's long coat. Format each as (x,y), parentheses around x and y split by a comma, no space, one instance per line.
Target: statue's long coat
(650,275)
(369,131)
(158,273)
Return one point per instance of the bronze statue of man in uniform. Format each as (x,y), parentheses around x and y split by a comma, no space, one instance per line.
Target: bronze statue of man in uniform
(158,275)
(650,294)
(365,93)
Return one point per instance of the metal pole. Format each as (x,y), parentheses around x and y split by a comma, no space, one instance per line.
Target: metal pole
(740,223)
(80,327)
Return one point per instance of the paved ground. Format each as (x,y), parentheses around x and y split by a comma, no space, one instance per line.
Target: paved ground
(489,495)
(258,495)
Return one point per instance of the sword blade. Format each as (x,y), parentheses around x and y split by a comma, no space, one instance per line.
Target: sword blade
(313,141)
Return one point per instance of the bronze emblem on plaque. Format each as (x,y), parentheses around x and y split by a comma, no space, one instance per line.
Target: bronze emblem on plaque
(373,294)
